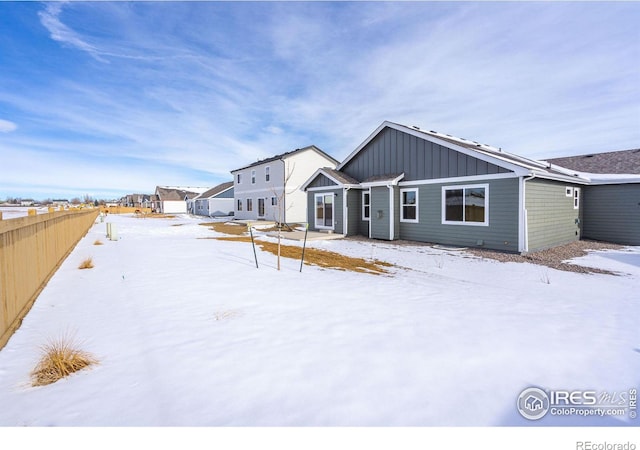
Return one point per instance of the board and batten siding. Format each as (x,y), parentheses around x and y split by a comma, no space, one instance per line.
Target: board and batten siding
(551,218)
(354,211)
(500,234)
(321,181)
(338,210)
(393,151)
(612,213)
(380,212)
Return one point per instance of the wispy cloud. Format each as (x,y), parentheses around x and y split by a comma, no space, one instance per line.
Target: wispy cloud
(7,126)
(138,94)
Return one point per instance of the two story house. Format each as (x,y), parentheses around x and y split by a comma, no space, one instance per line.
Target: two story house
(269,189)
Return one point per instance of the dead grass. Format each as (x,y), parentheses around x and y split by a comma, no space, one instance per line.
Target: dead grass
(98,242)
(60,358)
(236,229)
(319,257)
(154,216)
(226,314)
(86,264)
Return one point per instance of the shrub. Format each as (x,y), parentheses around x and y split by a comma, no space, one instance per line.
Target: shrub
(86,264)
(60,358)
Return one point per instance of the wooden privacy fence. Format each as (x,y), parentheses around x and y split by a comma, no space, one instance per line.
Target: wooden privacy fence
(31,250)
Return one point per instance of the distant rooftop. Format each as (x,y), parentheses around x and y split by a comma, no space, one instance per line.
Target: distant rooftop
(286,155)
(618,162)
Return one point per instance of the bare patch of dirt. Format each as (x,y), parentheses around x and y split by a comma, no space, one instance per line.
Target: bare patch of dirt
(319,257)
(237,229)
(554,257)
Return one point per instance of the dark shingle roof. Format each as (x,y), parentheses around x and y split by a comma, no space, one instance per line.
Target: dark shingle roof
(624,161)
(386,177)
(340,176)
(216,190)
(285,155)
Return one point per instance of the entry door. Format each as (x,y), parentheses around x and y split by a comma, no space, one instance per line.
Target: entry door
(260,207)
(324,210)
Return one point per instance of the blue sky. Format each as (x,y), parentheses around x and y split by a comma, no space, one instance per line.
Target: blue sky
(109,98)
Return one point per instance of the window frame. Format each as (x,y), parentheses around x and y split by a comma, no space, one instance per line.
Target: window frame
(315,210)
(253,176)
(267,174)
(416,205)
(238,178)
(249,205)
(464,187)
(274,201)
(576,198)
(239,205)
(365,216)
(568,191)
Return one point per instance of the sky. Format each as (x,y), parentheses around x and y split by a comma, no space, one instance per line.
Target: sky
(109,98)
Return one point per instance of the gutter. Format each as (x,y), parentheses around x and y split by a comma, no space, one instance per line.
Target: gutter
(523,245)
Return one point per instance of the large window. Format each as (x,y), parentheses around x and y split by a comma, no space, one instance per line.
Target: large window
(468,205)
(267,174)
(261,207)
(324,210)
(274,201)
(576,198)
(249,204)
(239,205)
(366,206)
(253,177)
(409,205)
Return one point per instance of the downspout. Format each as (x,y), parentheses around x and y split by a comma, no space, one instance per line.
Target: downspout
(345,211)
(523,246)
(391,213)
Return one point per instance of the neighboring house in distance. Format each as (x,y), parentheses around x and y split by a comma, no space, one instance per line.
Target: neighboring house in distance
(136,201)
(259,188)
(403,182)
(217,201)
(171,199)
(611,205)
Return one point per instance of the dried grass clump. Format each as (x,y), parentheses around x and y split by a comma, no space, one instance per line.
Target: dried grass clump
(236,229)
(60,358)
(98,242)
(86,264)
(319,257)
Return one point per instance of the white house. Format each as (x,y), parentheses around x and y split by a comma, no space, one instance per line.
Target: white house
(269,189)
(217,201)
(171,199)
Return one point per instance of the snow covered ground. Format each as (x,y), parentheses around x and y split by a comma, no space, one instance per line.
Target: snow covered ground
(189,333)
(12,212)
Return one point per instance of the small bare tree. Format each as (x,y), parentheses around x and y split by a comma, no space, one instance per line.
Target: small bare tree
(281,207)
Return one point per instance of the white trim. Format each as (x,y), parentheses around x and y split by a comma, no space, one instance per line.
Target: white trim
(315,211)
(345,211)
(324,188)
(362,217)
(239,178)
(463,187)
(469,179)
(576,198)
(387,183)
(417,219)
(266,191)
(392,219)
(267,173)
(264,207)
(253,176)
(335,180)
(568,191)
(247,205)
(428,137)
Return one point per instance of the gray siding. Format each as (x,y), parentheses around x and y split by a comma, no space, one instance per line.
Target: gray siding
(393,151)
(321,181)
(380,212)
(612,213)
(226,194)
(354,197)
(551,218)
(338,211)
(500,234)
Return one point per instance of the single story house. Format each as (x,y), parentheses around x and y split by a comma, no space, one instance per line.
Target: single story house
(611,204)
(215,202)
(269,189)
(171,199)
(403,182)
